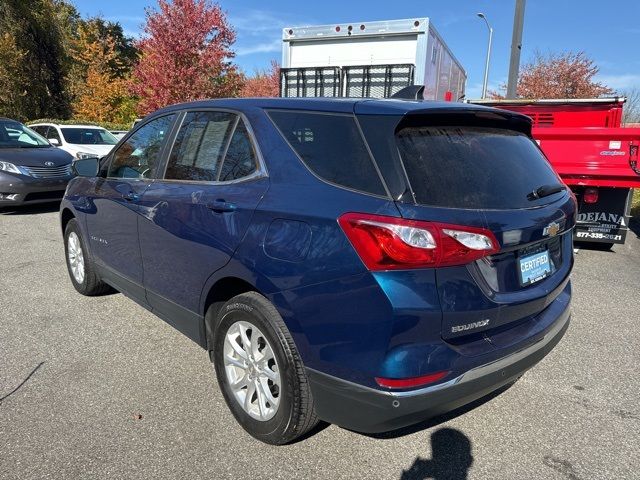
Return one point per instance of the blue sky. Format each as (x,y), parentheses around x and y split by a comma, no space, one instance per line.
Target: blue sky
(609,32)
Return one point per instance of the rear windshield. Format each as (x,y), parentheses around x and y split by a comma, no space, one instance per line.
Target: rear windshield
(88,136)
(474,167)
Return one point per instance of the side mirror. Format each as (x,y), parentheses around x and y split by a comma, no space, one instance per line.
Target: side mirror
(54,141)
(87,167)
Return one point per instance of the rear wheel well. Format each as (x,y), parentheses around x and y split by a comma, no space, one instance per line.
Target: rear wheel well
(223,290)
(65,217)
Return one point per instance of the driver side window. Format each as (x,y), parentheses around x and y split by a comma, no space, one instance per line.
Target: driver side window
(139,156)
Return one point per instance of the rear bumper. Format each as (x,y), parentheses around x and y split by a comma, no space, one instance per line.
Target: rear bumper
(368,410)
(24,190)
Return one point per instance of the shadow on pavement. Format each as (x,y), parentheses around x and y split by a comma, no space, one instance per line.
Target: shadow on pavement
(634,226)
(599,247)
(450,458)
(31,209)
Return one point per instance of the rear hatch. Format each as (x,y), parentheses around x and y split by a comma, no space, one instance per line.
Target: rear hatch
(471,169)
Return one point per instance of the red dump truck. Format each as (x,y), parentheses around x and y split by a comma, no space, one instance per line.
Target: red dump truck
(595,157)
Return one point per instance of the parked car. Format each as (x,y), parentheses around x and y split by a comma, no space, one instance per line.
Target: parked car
(118,133)
(81,141)
(370,263)
(31,170)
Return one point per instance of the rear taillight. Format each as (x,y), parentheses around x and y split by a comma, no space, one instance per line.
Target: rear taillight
(391,243)
(590,195)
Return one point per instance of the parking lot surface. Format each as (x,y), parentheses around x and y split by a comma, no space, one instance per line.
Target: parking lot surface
(101,388)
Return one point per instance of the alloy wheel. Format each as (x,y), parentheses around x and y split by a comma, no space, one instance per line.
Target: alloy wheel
(76,257)
(252,370)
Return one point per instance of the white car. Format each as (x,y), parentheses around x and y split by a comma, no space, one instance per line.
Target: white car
(81,141)
(118,133)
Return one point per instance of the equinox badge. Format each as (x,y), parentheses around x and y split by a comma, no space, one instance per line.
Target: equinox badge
(469,326)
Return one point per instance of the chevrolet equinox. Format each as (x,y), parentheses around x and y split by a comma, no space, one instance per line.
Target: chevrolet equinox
(369,263)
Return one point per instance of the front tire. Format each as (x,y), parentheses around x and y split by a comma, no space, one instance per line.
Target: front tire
(82,272)
(260,371)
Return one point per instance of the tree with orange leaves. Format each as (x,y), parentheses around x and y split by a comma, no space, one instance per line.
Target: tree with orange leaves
(559,75)
(264,83)
(100,93)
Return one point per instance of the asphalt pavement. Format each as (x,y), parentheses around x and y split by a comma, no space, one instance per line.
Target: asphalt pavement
(101,388)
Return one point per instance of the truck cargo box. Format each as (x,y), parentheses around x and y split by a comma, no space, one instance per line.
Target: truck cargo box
(368,59)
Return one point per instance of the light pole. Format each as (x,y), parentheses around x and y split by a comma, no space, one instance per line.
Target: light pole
(486,67)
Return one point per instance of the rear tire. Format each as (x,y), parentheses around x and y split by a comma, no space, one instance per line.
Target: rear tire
(260,371)
(82,272)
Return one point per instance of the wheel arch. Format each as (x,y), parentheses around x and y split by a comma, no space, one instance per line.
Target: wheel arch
(65,217)
(221,291)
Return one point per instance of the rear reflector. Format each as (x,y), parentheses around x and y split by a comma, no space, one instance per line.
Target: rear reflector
(392,243)
(411,382)
(590,195)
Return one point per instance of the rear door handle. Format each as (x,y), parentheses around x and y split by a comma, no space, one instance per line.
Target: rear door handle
(221,206)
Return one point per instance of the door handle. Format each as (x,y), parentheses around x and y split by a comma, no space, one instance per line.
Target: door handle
(130,196)
(221,206)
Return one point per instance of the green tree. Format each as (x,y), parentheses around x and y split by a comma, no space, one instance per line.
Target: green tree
(12,79)
(40,29)
(126,54)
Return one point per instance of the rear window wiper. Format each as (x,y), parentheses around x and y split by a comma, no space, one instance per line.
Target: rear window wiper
(545,191)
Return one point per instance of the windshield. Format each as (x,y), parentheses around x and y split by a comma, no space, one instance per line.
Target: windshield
(88,136)
(15,135)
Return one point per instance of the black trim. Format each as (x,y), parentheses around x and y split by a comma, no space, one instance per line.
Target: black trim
(127,287)
(368,410)
(185,321)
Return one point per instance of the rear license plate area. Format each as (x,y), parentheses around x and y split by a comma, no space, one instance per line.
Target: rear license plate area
(534,266)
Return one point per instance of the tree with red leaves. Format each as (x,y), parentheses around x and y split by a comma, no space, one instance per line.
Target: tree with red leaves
(185,55)
(265,83)
(561,75)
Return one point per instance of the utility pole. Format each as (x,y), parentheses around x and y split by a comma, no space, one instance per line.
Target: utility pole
(516,48)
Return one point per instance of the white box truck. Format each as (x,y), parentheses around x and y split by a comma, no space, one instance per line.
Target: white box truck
(369,59)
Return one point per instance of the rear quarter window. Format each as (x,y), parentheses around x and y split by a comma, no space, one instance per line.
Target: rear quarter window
(331,146)
(474,167)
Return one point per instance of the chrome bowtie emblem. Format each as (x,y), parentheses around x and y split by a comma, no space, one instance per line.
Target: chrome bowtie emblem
(49,164)
(551,230)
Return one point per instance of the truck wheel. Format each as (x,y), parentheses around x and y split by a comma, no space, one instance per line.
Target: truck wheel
(260,372)
(81,271)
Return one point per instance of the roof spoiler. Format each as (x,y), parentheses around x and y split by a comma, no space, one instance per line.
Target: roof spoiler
(412,92)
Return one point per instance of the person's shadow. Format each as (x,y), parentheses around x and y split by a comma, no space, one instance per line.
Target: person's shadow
(451,458)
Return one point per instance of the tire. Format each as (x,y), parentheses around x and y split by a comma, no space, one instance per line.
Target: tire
(75,251)
(280,407)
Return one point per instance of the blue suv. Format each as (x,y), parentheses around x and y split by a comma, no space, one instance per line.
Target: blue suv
(369,263)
